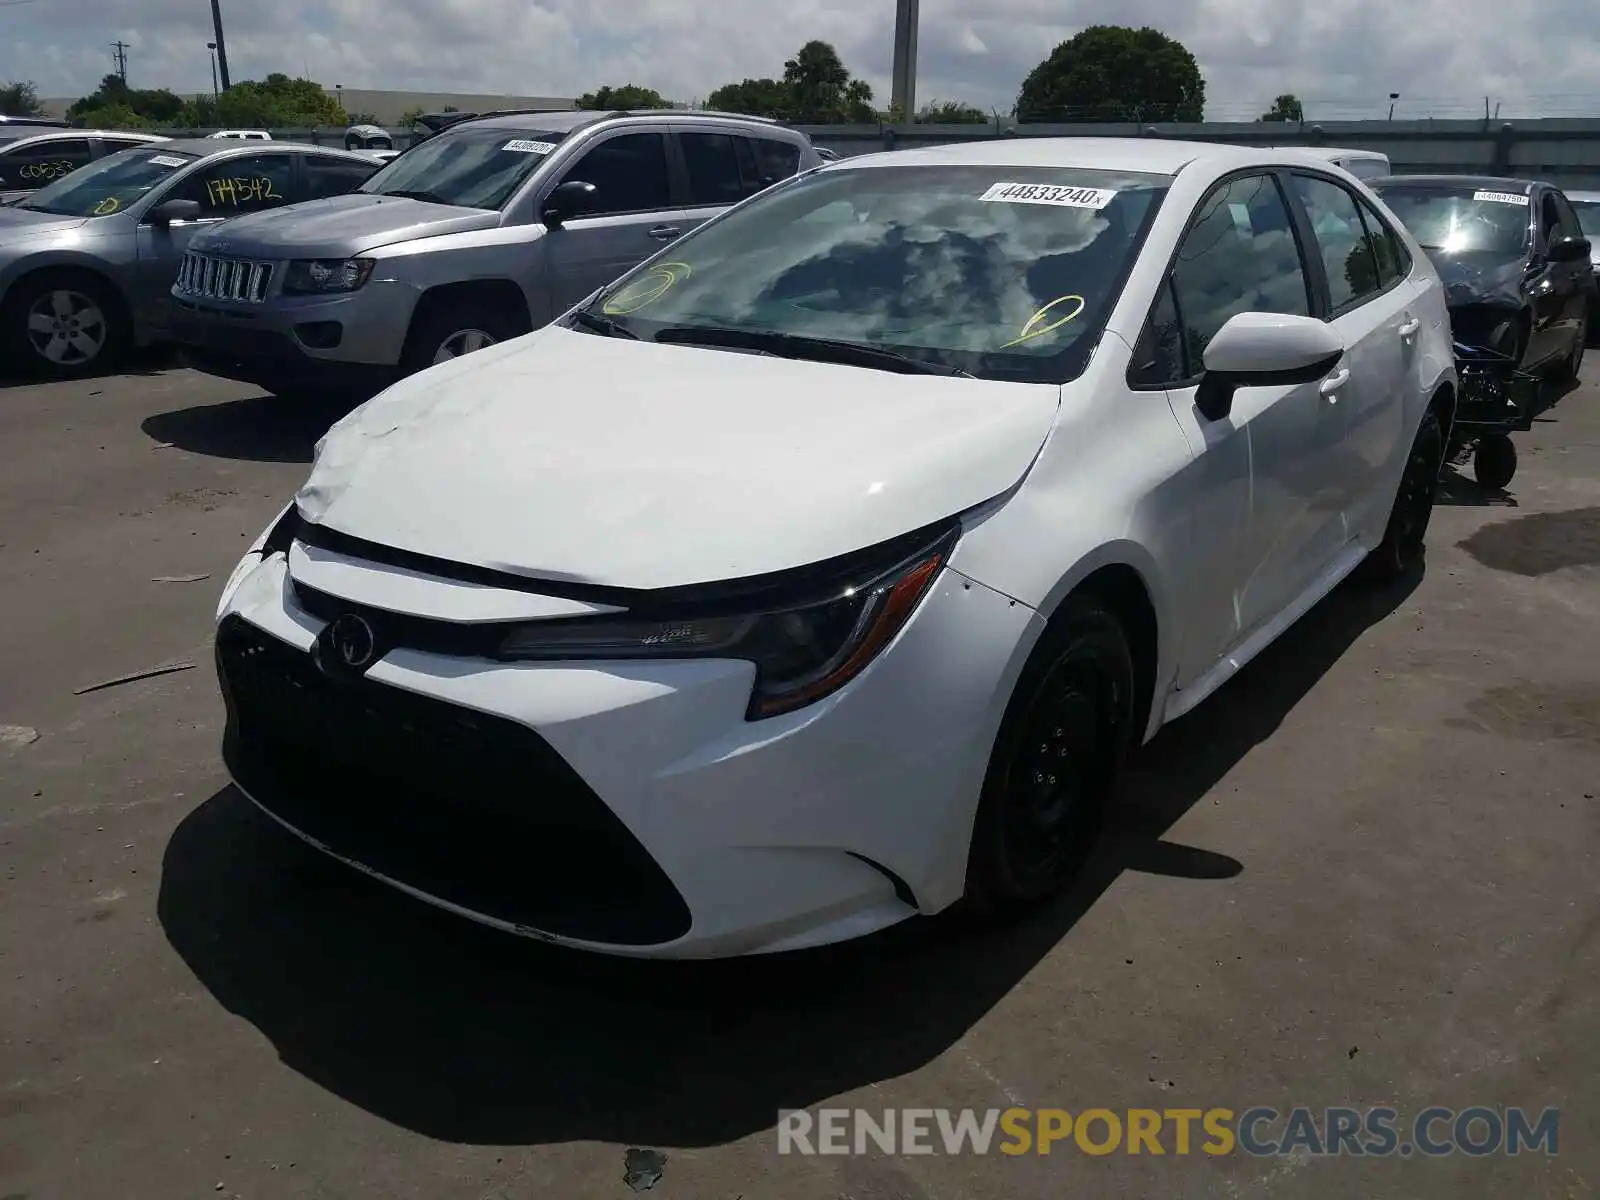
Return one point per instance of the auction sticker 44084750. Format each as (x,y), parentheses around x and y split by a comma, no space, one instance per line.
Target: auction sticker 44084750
(1046,193)
(1501,198)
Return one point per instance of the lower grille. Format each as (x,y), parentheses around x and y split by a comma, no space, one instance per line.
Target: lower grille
(475,810)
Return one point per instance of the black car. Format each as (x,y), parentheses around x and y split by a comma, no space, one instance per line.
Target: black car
(1513,258)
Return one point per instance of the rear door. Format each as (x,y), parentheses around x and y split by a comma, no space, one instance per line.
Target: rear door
(1374,311)
(632,216)
(719,171)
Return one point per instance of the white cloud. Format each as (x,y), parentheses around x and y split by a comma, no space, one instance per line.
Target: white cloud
(1343,57)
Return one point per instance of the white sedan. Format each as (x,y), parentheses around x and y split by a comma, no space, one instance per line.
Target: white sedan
(820,571)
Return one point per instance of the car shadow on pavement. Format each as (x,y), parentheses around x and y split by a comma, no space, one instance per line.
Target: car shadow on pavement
(1459,490)
(467,1035)
(258,428)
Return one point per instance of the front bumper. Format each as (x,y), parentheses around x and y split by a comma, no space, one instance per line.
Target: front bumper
(628,807)
(350,342)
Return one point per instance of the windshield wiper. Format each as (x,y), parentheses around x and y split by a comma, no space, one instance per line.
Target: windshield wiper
(799,346)
(418,194)
(599,324)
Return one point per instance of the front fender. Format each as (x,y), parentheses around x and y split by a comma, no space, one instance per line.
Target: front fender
(54,259)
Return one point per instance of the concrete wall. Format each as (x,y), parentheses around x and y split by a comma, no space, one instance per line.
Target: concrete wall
(1563,150)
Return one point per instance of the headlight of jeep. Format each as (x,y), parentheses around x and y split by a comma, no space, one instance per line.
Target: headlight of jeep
(803,650)
(314,276)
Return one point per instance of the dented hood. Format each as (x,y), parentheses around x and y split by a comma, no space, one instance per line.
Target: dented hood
(575,457)
(1479,278)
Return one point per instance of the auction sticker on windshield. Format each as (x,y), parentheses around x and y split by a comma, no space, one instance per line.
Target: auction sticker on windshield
(523,146)
(1044,193)
(166,160)
(1501,198)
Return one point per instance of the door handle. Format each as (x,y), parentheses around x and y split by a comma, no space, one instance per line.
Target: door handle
(1410,327)
(1331,385)
(664,233)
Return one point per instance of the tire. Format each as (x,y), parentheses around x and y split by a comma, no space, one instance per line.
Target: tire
(1494,462)
(1401,550)
(64,325)
(1072,710)
(465,327)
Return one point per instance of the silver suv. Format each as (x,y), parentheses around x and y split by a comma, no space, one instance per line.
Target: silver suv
(485,231)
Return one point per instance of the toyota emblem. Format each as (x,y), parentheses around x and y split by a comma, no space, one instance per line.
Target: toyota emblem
(353,640)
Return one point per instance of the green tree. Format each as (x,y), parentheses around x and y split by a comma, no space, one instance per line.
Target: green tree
(115,99)
(823,91)
(755,98)
(363,118)
(951,112)
(19,98)
(1286,107)
(1114,73)
(628,96)
(409,117)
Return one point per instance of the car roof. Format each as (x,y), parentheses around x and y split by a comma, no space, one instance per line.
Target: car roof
(1587,196)
(569,120)
(54,135)
(1335,152)
(1149,155)
(210,147)
(1500,182)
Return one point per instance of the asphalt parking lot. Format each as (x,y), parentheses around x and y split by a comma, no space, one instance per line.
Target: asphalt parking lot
(1364,873)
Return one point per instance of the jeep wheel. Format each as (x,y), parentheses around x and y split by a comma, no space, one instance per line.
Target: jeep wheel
(446,332)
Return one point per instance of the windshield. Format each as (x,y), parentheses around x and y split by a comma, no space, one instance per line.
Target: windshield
(110,185)
(1460,220)
(1001,272)
(474,166)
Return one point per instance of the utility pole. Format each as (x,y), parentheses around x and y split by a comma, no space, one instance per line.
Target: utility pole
(121,48)
(903,90)
(222,46)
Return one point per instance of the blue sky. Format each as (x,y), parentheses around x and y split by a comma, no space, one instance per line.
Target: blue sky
(1343,57)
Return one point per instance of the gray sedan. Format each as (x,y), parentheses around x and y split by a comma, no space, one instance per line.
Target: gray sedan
(87,263)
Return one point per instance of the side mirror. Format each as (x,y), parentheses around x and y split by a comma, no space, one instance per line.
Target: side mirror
(1569,249)
(169,211)
(566,201)
(1256,349)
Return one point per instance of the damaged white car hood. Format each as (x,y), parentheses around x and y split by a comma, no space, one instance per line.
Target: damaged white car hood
(581,458)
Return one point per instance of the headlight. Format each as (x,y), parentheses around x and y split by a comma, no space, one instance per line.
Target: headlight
(275,539)
(802,651)
(312,276)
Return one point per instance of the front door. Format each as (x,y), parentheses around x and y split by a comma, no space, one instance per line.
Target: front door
(1270,497)
(630,218)
(225,188)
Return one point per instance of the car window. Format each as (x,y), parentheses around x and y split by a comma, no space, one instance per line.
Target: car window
(775,159)
(1347,255)
(110,145)
(1004,272)
(1392,265)
(714,176)
(749,172)
(1240,256)
(233,186)
(111,184)
(1588,216)
(327,175)
(1461,219)
(629,174)
(1158,358)
(36,165)
(473,166)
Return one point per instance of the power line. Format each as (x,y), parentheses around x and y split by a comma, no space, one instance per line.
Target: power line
(121,49)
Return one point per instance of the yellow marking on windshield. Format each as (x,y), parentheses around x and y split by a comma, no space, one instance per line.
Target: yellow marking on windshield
(647,289)
(107,206)
(1035,328)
